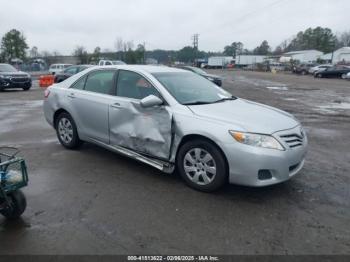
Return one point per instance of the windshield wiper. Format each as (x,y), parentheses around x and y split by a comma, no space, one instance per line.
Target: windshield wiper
(225,99)
(196,103)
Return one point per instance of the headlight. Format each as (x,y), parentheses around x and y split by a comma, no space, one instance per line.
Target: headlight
(258,140)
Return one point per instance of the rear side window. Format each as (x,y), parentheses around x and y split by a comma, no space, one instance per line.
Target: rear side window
(100,82)
(79,84)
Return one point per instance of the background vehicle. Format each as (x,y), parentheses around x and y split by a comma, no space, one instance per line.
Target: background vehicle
(213,78)
(302,69)
(10,77)
(168,118)
(69,71)
(347,76)
(57,68)
(334,72)
(110,62)
(319,68)
(219,61)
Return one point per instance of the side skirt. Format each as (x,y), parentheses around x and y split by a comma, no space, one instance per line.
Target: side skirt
(163,166)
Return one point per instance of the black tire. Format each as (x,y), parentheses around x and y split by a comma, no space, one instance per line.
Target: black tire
(343,76)
(72,143)
(26,88)
(319,75)
(18,204)
(221,168)
(303,72)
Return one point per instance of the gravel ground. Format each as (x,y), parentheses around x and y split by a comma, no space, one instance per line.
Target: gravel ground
(92,201)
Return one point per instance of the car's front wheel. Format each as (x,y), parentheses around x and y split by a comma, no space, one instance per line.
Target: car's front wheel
(202,165)
(343,76)
(66,130)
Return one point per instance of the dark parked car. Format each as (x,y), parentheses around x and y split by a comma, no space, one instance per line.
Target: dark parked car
(303,68)
(69,71)
(333,72)
(10,77)
(213,78)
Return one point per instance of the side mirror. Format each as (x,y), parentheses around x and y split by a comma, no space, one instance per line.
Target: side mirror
(150,101)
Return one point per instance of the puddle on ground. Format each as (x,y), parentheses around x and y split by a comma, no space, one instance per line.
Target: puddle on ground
(341,105)
(333,107)
(284,88)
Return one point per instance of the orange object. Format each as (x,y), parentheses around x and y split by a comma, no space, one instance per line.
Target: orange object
(46,80)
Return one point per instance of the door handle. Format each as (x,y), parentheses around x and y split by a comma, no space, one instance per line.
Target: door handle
(116,105)
(71,95)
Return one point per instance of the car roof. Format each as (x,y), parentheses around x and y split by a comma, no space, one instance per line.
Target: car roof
(146,68)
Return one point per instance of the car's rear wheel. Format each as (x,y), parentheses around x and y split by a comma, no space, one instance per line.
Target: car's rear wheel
(66,130)
(202,165)
(319,75)
(343,76)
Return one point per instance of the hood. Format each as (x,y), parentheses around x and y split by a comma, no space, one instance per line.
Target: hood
(18,73)
(253,117)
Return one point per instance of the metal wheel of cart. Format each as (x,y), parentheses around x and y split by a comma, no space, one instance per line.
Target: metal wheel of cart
(13,176)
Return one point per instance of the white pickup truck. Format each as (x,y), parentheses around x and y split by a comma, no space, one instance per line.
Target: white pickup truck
(110,62)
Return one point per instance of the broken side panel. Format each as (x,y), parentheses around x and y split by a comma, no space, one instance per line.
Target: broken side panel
(145,130)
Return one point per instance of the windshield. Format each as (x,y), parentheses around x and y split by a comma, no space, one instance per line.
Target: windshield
(189,88)
(7,68)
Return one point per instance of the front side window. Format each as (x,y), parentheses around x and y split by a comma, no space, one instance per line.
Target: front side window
(189,88)
(133,85)
(100,82)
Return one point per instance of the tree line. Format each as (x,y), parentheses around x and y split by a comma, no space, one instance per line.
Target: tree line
(14,45)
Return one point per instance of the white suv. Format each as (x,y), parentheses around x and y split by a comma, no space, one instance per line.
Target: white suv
(57,68)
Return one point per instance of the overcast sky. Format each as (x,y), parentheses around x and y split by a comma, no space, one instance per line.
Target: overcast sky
(167,24)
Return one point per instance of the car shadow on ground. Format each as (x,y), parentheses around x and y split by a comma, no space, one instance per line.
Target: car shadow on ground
(291,189)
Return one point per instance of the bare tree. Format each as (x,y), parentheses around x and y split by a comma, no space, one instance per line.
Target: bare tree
(34,52)
(344,39)
(119,44)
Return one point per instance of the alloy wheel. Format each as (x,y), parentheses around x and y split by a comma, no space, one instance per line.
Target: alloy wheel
(199,166)
(65,130)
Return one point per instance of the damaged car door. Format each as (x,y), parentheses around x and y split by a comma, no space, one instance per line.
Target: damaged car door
(138,117)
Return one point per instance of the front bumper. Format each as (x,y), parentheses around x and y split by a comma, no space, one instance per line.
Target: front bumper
(9,83)
(247,163)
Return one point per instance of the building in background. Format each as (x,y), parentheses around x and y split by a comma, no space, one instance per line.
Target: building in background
(303,56)
(341,55)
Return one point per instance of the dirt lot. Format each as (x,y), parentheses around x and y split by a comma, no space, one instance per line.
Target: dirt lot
(95,202)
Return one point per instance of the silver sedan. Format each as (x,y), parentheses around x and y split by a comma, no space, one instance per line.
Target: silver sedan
(170,118)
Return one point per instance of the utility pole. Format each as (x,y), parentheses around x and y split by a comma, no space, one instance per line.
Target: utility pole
(144,52)
(195,44)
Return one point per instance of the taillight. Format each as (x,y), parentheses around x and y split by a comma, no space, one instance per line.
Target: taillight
(47,93)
